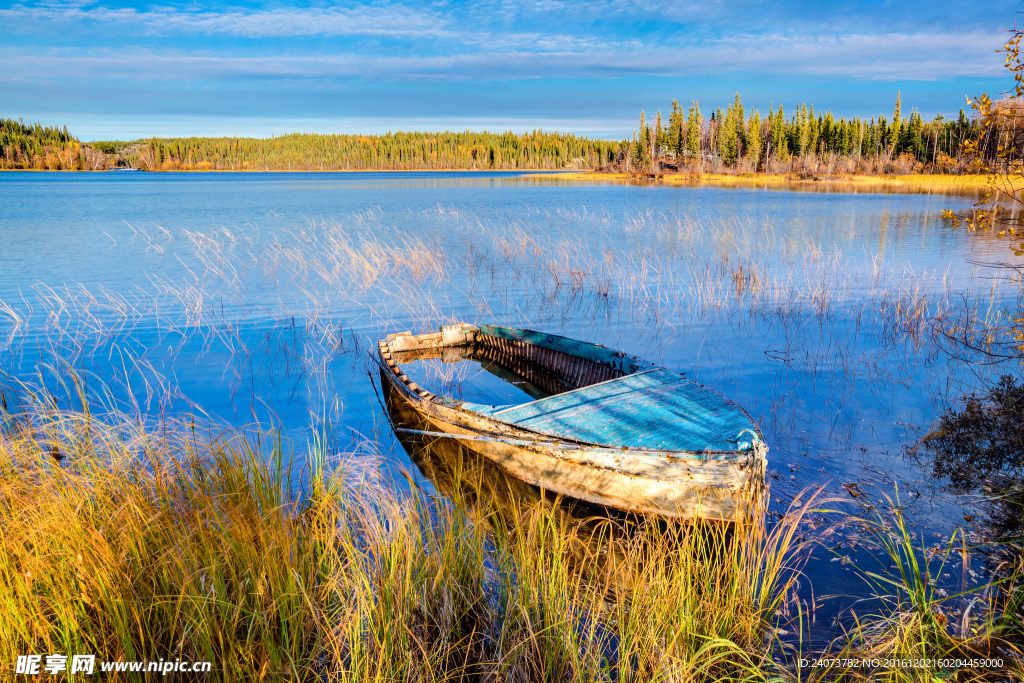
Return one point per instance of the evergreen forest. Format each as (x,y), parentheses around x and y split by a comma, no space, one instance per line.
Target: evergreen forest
(730,140)
(735,139)
(38,147)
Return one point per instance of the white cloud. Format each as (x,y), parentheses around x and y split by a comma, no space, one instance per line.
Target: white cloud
(455,41)
(894,56)
(386,20)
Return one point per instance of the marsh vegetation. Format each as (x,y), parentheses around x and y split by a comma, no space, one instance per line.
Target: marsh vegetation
(228,484)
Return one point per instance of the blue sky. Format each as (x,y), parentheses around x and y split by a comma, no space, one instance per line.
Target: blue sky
(130,70)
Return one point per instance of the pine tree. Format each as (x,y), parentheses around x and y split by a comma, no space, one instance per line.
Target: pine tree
(642,150)
(792,128)
(754,139)
(660,140)
(785,139)
(778,135)
(676,126)
(910,135)
(693,131)
(727,147)
(813,131)
(894,129)
(739,120)
(715,132)
(804,129)
(657,143)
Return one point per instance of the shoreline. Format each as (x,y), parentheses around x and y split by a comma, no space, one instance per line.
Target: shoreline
(922,181)
(536,171)
(966,180)
(970,184)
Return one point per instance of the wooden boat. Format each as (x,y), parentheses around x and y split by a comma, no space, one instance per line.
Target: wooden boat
(605,428)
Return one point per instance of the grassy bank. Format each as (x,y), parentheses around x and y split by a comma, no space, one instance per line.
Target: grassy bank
(145,546)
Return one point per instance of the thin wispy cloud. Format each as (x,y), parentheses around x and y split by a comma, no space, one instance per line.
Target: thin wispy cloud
(493,54)
(287,22)
(873,57)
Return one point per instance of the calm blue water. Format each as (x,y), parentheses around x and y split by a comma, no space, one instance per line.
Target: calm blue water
(254,297)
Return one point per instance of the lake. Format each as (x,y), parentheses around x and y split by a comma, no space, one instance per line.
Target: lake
(253,299)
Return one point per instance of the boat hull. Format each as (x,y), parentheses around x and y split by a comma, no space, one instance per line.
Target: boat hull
(666,484)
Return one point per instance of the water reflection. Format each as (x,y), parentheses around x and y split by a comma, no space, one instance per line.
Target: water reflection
(979,449)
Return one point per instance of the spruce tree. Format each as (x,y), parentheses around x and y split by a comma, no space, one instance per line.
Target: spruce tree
(793,133)
(727,136)
(895,128)
(642,155)
(754,139)
(677,143)
(718,117)
(693,131)
(804,129)
(739,120)
(815,137)
(658,141)
(778,133)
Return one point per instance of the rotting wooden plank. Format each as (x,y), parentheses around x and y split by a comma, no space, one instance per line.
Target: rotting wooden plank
(526,362)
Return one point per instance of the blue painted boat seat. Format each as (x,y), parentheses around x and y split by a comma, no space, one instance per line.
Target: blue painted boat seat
(656,410)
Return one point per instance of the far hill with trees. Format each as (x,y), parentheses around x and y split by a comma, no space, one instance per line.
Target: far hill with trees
(46,148)
(731,140)
(52,148)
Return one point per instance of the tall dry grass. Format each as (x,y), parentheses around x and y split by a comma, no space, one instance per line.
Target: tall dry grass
(144,546)
(656,272)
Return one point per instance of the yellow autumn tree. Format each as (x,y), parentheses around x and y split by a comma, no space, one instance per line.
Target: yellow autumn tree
(998,150)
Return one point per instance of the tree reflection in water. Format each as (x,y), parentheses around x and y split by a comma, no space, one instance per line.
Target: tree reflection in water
(980,449)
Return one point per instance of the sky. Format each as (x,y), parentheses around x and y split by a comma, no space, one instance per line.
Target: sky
(130,70)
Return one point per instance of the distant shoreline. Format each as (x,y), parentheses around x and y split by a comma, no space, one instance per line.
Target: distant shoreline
(946,179)
(921,181)
(949,183)
(534,171)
